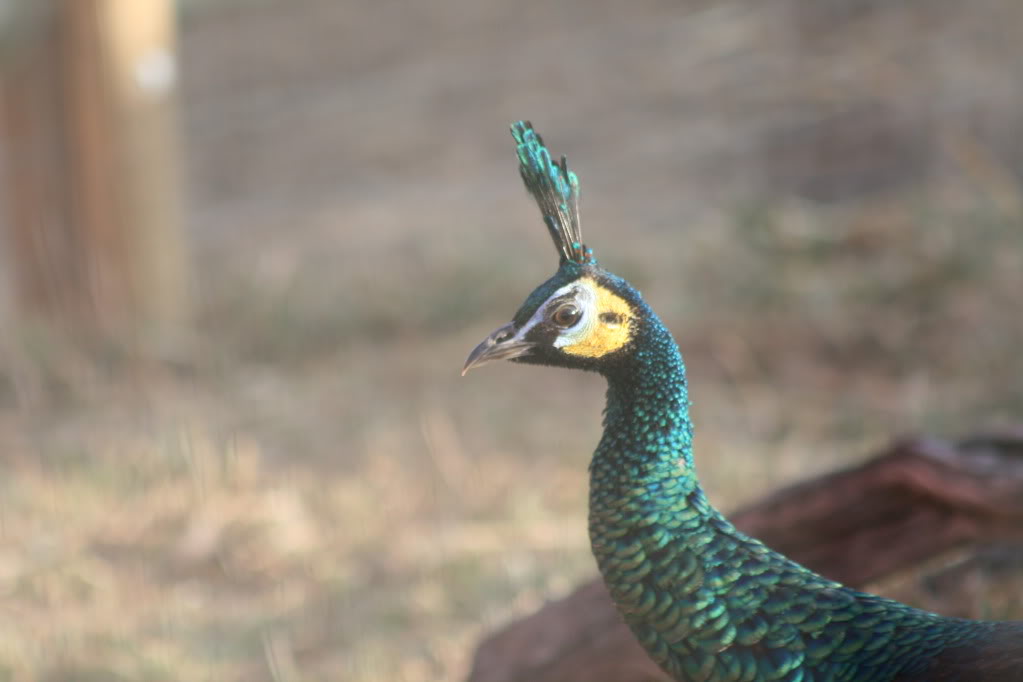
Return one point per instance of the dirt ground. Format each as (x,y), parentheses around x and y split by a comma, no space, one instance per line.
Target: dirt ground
(820,197)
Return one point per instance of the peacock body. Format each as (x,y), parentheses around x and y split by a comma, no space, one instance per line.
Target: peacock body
(707,602)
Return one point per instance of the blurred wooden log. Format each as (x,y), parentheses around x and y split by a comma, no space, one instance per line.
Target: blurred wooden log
(91,169)
(912,502)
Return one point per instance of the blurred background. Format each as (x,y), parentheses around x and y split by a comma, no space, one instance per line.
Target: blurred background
(249,243)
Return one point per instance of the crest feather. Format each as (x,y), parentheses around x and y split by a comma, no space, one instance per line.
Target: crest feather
(556,191)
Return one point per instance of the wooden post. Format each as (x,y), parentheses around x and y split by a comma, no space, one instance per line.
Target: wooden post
(141,66)
(89,135)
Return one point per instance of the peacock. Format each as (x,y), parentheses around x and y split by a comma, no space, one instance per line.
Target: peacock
(706,601)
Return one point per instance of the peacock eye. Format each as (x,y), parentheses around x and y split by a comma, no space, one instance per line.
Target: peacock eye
(567,315)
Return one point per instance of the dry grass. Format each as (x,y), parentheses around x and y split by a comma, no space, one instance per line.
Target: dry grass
(309,490)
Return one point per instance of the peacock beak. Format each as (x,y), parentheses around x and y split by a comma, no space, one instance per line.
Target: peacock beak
(502,344)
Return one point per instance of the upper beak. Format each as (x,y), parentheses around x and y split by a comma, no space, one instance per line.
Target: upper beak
(500,345)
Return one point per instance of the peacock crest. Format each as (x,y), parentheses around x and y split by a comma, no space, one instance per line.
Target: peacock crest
(556,191)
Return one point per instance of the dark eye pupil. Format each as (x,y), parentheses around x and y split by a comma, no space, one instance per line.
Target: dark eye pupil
(567,315)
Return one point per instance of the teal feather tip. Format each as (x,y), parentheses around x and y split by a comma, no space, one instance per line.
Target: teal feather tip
(556,191)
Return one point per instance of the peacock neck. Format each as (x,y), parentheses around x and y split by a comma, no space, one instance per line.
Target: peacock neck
(706,601)
(660,545)
(646,420)
(647,446)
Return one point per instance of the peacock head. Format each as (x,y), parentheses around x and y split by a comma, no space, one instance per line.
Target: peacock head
(583,317)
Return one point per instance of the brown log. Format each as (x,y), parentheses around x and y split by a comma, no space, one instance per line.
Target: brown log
(916,500)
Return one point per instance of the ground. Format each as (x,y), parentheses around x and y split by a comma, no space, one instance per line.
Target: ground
(821,199)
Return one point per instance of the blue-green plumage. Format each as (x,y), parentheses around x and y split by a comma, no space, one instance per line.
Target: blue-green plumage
(705,601)
(556,190)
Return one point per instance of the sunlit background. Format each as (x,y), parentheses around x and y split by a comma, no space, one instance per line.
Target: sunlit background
(249,243)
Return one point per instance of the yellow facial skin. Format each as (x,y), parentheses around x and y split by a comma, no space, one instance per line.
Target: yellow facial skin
(608,327)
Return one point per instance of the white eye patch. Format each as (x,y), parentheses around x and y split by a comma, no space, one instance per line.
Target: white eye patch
(581,292)
(585,299)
